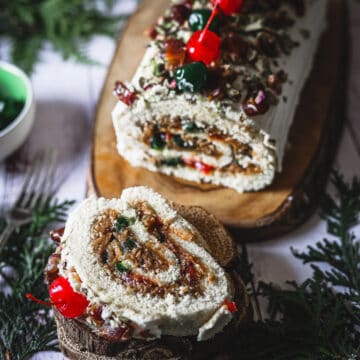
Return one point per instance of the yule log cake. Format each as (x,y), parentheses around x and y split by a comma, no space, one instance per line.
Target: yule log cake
(216,106)
(133,269)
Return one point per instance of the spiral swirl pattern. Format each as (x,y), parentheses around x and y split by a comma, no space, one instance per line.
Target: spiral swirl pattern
(147,265)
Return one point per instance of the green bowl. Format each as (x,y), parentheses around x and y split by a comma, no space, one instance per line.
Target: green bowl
(15,84)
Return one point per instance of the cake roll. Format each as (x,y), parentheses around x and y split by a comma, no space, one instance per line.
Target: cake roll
(230,126)
(134,269)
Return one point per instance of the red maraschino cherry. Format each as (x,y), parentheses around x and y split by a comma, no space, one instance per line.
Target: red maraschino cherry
(206,169)
(204,46)
(228,7)
(70,304)
(231,305)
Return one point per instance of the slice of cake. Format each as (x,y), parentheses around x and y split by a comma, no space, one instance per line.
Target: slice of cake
(230,125)
(144,275)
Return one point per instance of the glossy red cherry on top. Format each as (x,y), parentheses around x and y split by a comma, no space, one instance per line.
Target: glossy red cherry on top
(231,305)
(207,50)
(228,7)
(70,304)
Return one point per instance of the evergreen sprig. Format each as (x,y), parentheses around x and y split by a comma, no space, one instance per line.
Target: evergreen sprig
(26,327)
(319,318)
(67,25)
(315,320)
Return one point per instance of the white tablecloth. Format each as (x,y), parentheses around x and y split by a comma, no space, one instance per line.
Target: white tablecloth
(66,96)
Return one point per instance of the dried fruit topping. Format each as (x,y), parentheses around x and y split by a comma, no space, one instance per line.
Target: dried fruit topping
(256,104)
(122,267)
(171,162)
(172,84)
(191,77)
(268,44)
(56,235)
(235,46)
(118,334)
(52,270)
(204,46)
(274,82)
(124,93)
(175,53)
(129,244)
(191,272)
(206,169)
(158,141)
(199,18)
(231,305)
(188,4)
(179,142)
(191,127)
(179,13)
(95,311)
(122,223)
(152,33)
(228,7)
(70,304)
(218,84)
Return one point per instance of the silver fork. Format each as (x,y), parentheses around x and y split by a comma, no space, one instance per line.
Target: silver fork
(35,191)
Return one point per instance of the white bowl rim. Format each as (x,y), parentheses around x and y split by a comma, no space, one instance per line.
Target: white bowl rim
(29,96)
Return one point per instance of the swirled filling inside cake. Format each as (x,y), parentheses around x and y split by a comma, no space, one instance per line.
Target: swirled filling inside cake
(130,260)
(144,269)
(182,143)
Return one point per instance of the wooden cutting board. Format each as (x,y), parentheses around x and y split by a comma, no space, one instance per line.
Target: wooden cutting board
(293,196)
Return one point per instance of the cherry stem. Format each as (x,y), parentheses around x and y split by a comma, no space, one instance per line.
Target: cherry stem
(41,302)
(211,18)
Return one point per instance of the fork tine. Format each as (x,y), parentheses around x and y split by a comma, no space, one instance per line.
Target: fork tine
(48,185)
(27,180)
(29,191)
(41,181)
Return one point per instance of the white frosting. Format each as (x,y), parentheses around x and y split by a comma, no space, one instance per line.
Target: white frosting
(185,315)
(266,134)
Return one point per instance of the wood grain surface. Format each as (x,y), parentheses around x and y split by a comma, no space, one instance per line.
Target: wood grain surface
(293,196)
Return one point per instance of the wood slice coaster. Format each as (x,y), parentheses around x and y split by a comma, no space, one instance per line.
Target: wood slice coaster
(313,140)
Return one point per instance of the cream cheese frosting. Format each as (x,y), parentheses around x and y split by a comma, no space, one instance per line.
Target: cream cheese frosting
(266,135)
(179,312)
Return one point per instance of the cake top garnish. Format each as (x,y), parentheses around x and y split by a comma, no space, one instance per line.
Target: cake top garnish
(246,68)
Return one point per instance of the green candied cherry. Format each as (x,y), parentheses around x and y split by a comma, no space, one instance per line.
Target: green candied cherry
(122,267)
(171,162)
(191,127)
(191,77)
(199,18)
(158,141)
(123,222)
(129,244)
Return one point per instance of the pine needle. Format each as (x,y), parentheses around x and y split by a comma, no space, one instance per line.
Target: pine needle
(68,26)
(26,327)
(318,319)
